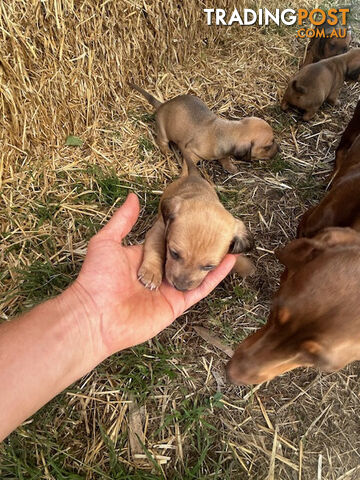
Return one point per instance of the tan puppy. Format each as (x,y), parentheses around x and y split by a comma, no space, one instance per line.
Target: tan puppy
(201,135)
(192,234)
(320,82)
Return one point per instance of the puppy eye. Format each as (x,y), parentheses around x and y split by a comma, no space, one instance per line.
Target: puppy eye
(174,254)
(207,268)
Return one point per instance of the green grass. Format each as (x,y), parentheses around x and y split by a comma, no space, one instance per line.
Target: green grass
(45,211)
(40,281)
(278,164)
(145,146)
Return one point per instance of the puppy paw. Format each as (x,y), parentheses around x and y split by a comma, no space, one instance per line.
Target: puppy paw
(244,267)
(228,165)
(151,278)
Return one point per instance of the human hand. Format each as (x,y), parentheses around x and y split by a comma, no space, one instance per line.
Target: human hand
(120,311)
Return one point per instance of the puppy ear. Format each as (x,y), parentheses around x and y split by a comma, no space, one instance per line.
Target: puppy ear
(169,207)
(298,88)
(298,252)
(242,241)
(242,152)
(353,71)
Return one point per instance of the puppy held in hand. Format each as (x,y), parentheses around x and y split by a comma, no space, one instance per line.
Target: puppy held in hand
(320,82)
(327,46)
(192,234)
(201,135)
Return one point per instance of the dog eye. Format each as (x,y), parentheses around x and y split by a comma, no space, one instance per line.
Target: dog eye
(174,254)
(207,268)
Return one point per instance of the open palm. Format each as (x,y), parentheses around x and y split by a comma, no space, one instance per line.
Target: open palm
(125,312)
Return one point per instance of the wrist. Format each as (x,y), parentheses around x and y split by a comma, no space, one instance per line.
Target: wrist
(79,317)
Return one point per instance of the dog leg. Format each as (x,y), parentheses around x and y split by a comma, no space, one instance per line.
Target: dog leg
(309,114)
(150,273)
(333,97)
(163,145)
(228,165)
(284,105)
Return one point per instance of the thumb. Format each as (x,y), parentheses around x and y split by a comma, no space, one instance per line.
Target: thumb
(123,219)
(210,281)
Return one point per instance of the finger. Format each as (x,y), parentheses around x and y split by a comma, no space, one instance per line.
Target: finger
(123,219)
(210,281)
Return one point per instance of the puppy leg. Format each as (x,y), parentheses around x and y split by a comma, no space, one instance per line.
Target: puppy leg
(228,165)
(151,271)
(162,140)
(333,97)
(284,105)
(244,266)
(309,114)
(163,145)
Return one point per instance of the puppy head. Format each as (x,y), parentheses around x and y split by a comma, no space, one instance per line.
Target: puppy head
(315,317)
(198,236)
(329,47)
(261,143)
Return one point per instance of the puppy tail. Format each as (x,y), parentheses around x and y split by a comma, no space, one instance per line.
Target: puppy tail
(298,88)
(150,98)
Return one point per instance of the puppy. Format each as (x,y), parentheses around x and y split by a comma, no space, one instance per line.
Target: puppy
(320,82)
(326,47)
(315,316)
(201,135)
(192,234)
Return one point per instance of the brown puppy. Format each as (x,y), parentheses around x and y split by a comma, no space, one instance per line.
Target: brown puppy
(341,206)
(201,135)
(320,82)
(326,47)
(315,317)
(192,234)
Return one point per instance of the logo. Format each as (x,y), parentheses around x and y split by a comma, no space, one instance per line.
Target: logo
(334,17)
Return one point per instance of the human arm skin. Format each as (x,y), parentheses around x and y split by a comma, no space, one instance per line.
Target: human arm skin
(105,310)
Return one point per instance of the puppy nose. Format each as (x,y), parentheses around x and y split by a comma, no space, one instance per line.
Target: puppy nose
(181,284)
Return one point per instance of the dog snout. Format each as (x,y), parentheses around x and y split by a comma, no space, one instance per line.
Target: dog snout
(182,284)
(232,373)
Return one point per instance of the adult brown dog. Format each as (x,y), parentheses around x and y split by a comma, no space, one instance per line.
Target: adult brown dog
(327,46)
(200,135)
(192,234)
(320,82)
(315,317)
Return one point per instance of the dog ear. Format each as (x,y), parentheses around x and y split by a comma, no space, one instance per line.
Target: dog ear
(242,241)
(316,219)
(298,252)
(298,88)
(242,152)
(353,71)
(169,207)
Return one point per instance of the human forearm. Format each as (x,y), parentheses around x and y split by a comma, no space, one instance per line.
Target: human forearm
(41,353)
